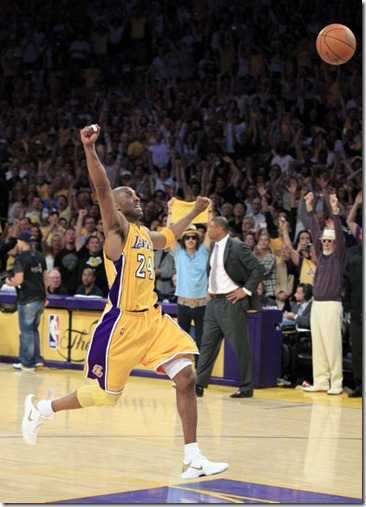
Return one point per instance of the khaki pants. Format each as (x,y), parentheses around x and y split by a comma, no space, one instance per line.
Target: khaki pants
(326,334)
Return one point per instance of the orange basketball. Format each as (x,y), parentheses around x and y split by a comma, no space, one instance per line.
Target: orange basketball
(336,44)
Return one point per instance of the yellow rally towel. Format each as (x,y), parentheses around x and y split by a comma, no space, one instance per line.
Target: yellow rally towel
(181,208)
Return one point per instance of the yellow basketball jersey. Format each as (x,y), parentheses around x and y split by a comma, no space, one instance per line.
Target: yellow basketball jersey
(131,279)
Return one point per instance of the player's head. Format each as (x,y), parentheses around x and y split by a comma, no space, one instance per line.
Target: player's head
(128,203)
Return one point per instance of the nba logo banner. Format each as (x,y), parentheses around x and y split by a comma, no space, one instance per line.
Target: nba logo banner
(54,332)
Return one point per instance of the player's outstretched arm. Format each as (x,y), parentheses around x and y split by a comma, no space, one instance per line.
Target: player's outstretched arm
(115,225)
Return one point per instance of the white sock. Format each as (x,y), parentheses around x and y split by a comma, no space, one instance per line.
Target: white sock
(190,451)
(45,408)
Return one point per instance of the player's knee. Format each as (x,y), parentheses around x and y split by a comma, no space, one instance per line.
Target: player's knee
(186,379)
(112,399)
(94,396)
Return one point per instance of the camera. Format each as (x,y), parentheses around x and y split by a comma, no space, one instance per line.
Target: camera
(282,219)
(307,246)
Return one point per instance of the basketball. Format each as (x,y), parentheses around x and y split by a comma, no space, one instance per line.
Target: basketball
(336,44)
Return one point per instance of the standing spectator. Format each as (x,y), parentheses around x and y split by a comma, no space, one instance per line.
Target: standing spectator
(353,306)
(239,210)
(8,242)
(247,225)
(66,260)
(54,283)
(256,214)
(88,286)
(85,227)
(250,239)
(234,274)
(164,271)
(355,228)
(327,310)
(50,251)
(30,280)
(52,228)
(268,259)
(303,256)
(37,235)
(191,256)
(285,280)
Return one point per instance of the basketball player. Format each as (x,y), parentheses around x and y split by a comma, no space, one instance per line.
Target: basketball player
(132,329)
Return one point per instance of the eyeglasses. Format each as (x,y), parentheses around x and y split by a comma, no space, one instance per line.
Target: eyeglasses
(190,237)
(327,241)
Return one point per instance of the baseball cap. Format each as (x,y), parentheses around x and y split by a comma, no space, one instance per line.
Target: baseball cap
(27,237)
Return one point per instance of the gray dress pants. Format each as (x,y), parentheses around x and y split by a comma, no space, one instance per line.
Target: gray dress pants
(225,319)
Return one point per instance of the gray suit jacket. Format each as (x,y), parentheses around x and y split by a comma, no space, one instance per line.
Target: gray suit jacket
(245,269)
(303,321)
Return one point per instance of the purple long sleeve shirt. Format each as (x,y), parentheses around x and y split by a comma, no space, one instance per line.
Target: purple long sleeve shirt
(328,279)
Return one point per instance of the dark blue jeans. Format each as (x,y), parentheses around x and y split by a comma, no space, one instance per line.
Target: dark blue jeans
(185,315)
(29,316)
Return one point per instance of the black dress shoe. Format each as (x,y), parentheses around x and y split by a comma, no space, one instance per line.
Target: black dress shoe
(357,393)
(199,391)
(242,394)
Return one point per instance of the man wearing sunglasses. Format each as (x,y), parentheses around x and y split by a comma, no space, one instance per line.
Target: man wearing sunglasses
(191,254)
(327,309)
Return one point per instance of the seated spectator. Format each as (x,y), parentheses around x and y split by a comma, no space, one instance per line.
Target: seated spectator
(91,255)
(299,316)
(267,302)
(54,283)
(88,286)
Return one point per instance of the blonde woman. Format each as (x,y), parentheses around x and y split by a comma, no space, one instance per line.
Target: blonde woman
(49,251)
(268,259)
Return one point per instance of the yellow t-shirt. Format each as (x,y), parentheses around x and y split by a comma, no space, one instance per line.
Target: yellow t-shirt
(307,271)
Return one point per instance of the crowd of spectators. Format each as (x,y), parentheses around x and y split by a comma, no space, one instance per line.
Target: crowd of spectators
(226,98)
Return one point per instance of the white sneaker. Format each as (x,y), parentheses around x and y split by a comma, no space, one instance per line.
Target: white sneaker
(19,366)
(40,364)
(32,420)
(200,466)
(314,389)
(335,390)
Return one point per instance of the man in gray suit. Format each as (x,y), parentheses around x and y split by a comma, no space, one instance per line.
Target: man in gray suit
(234,273)
(299,316)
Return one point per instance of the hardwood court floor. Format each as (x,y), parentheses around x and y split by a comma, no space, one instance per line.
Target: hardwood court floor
(283,446)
